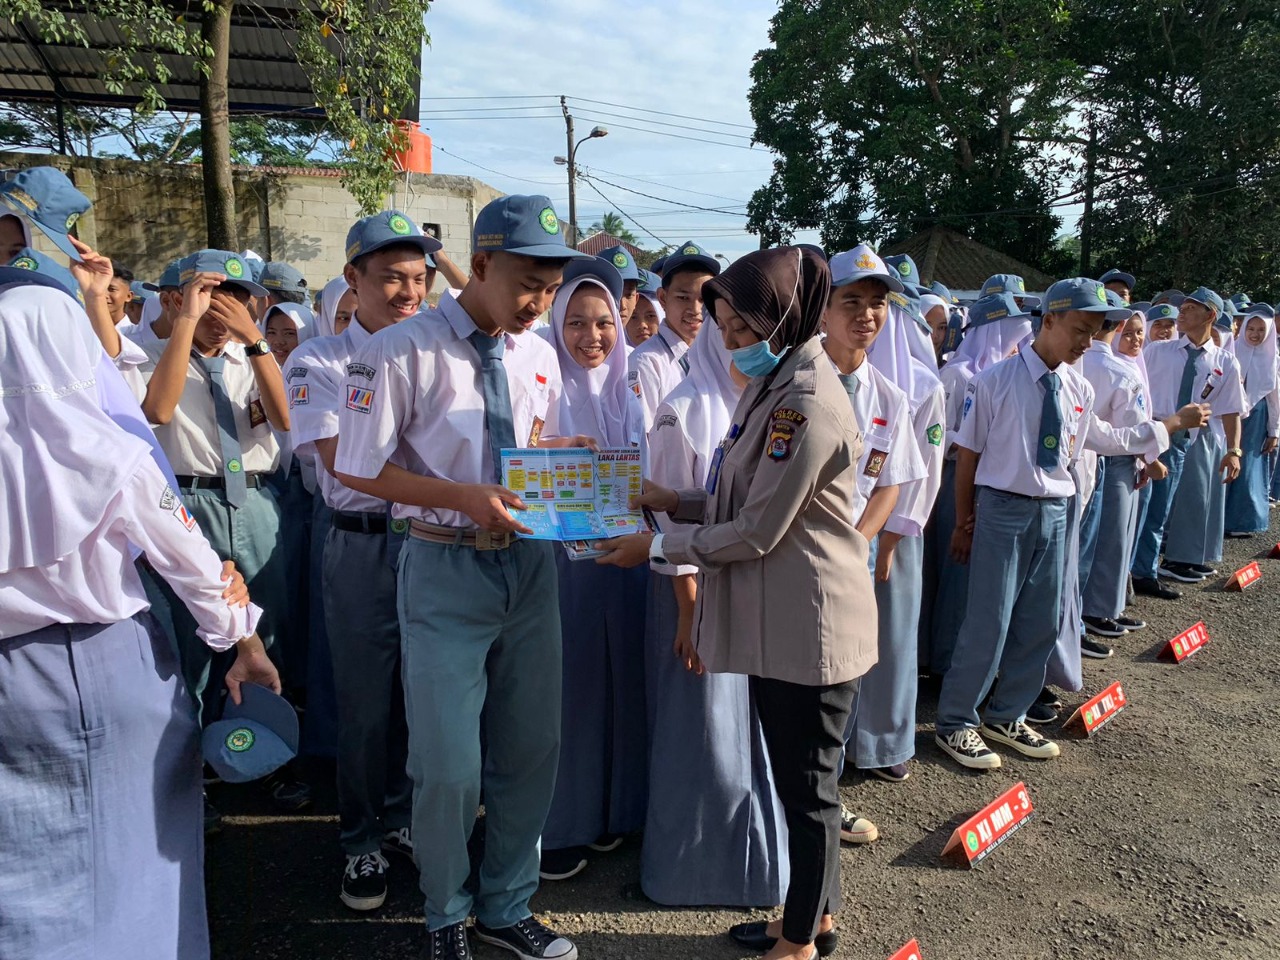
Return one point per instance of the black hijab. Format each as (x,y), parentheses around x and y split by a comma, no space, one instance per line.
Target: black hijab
(780,293)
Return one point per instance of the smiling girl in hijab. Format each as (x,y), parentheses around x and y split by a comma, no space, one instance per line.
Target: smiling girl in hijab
(337,304)
(601,784)
(1247,506)
(100,831)
(718,838)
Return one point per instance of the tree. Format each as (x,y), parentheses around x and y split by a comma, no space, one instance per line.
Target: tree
(613,224)
(889,118)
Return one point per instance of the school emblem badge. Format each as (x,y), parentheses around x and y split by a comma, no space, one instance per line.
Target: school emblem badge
(71,221)
(934,433)
(399,527)
(691,251)
(904,268)
(875,463)
(1102,294)
(550,222)
(1051,443)
(399,225)
(619,259)
(234,466)
(24,263)
(867,262)
(240,739)
(971,841)
(235,268)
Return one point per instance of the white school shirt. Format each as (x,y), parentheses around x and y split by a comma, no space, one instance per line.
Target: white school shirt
(313,380)
(1000,421)
(98,583)
(916,498)
(954,381)
(1217,381)
(654,370)
(423,409)
(889,456)
(130,361)
(675,463)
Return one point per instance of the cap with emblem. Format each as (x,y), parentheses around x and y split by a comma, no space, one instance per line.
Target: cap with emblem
(47,198)
(1118,276)
(658,266)
(383,229)
(1206,298)
(252,739)
(1162,311)
(230,265)
(53,273)
(907,270)
(597,268)
(997,306)
(941,290)
(687,255)
(1004,283)
(172,274)
(282,278)
(1174,297)
(523,225)
(1120,311)
(622,261)
(1241,301)
(1077,293)
(1260,310)
(650,284)
(862,263)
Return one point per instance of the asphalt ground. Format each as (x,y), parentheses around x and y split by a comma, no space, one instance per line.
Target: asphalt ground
(1157,837)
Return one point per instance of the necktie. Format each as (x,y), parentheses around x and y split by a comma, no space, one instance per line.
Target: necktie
(1048,453)
(851,385)
(232,469)
(1182,439)
(684,362)
(498,421)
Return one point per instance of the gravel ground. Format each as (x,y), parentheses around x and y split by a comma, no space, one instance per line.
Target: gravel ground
(1157,838)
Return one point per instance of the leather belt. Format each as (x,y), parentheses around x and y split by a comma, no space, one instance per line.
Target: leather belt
(251,480)
(456,536)
(353,521)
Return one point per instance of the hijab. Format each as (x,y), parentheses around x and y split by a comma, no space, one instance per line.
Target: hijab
(711,392)
(987,344)
(1139,361)
(598,402)
(1257,364)
(302,318)
(62,459)
(895,353)
(333,291)
(780,294)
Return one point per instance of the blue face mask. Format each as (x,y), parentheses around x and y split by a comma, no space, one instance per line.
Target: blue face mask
(757,360)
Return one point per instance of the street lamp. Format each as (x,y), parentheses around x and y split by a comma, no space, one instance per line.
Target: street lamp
(569,161)
(721,256)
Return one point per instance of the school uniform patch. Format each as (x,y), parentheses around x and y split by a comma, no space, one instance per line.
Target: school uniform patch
(184,516)
(168,499)
(257,415)
(875,463)
(295,373)
(297,395)
(934,433)
(359,399)
(360,370)
(968,405)
(666,420)
(535,432)
(541,380)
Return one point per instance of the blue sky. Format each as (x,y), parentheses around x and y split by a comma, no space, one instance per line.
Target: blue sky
(648,62)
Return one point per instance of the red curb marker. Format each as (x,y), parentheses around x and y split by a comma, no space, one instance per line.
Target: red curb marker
(910,952)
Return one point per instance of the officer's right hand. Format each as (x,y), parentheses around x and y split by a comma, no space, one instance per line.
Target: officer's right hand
(961,544)
(487,506)
(656,498)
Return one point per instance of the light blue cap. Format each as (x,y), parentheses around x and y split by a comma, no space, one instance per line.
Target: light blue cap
(1077,293)
(997,306)
(523,225)
(1162,311)
(253,739)
(1004,283)
(231,265)
(597,268)
(48,198)
(383,229)
(32,261)
(622,261)
(1206,297)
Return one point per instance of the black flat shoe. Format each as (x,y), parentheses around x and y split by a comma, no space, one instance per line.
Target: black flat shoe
(754,936)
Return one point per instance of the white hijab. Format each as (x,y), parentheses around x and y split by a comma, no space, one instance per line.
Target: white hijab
(596,402)
(1139,361)
(329,297)
(900,341)
(62,460)
(1257,364)
(710,392)
(302,318)
(988,344)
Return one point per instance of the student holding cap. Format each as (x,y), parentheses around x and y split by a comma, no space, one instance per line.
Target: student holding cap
(774,536)
(99,745)
(389,278)
(428,407)
(648,314)
(659,364)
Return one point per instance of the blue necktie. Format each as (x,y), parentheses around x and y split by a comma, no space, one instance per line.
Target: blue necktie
(851,385)
(228,438)
(498,421)
(1049,453)
(684,362)
(1182,439)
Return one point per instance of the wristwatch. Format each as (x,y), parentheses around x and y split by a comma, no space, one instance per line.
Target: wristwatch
(1235,452)
(655,549)
(259,349)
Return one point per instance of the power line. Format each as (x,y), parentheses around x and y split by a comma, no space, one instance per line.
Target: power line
(677,126)
(668,186)
(678,136)
(624,213)
(480,166)
(674,203)
(664,113)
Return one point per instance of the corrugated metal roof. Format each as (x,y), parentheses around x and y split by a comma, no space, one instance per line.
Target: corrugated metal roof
(263,74)
(961,263)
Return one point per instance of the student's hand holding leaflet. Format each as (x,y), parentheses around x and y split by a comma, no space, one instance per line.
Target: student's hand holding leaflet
(487,504)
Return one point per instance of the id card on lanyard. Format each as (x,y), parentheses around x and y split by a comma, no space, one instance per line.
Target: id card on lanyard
(717,459)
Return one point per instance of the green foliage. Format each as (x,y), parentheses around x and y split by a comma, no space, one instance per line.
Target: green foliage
(283,142)
(362,62)
(889,118)
(613,224)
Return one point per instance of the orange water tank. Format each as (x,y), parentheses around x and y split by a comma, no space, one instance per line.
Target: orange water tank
(416,157)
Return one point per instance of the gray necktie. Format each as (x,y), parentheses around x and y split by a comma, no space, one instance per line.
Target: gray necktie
(1182,439)
(851,385)
(1049,449)
(232,467)
(497,397)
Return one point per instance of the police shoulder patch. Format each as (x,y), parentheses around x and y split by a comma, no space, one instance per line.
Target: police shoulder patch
(782,432)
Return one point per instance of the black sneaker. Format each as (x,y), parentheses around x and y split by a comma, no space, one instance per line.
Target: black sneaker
(1104,626)
(1041,713)
(606,842)
(1181,572)
(1151,587)
(1130,624)
(364,882)
(529,939)
(212,818)
(1022,738)
(1047,698)
(398,842)
(562,864)
(1202,569)
(448,943)
(967,748)
(287,790)
(1094,649)
(856,829)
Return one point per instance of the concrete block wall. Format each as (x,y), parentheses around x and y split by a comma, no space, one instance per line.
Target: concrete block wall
(145,214)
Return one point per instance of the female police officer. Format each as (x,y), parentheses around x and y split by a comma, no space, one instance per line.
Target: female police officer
(785,595)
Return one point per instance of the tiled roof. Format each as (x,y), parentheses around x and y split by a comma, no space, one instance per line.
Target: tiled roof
(603,241)
(961,263)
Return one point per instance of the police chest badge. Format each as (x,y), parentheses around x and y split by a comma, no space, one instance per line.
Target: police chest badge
(875,463)
(782,431)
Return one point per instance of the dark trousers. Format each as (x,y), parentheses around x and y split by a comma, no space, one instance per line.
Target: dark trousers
(803,730)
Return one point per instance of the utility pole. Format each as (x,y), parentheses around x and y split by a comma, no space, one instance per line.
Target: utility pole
(1086,220)
(573,175)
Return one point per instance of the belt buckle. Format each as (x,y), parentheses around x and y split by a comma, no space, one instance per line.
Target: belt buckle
(493,541)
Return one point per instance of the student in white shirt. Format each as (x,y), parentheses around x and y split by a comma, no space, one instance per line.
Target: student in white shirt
(450,388)
(1247,508)
(99,745)
(659,364)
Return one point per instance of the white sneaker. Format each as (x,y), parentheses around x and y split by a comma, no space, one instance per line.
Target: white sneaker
(1022,738)
(967,748)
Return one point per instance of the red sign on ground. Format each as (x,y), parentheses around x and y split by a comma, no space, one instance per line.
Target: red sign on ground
(910,952)
(1188,642)
(1246,576)
(1098,712)
(991,826)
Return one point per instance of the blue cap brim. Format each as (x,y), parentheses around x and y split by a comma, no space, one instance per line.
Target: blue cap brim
(544,251)
(601,271)
(893,283)
(678,261)
(17,275)
(60,240)
(255,289)
(428,245)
